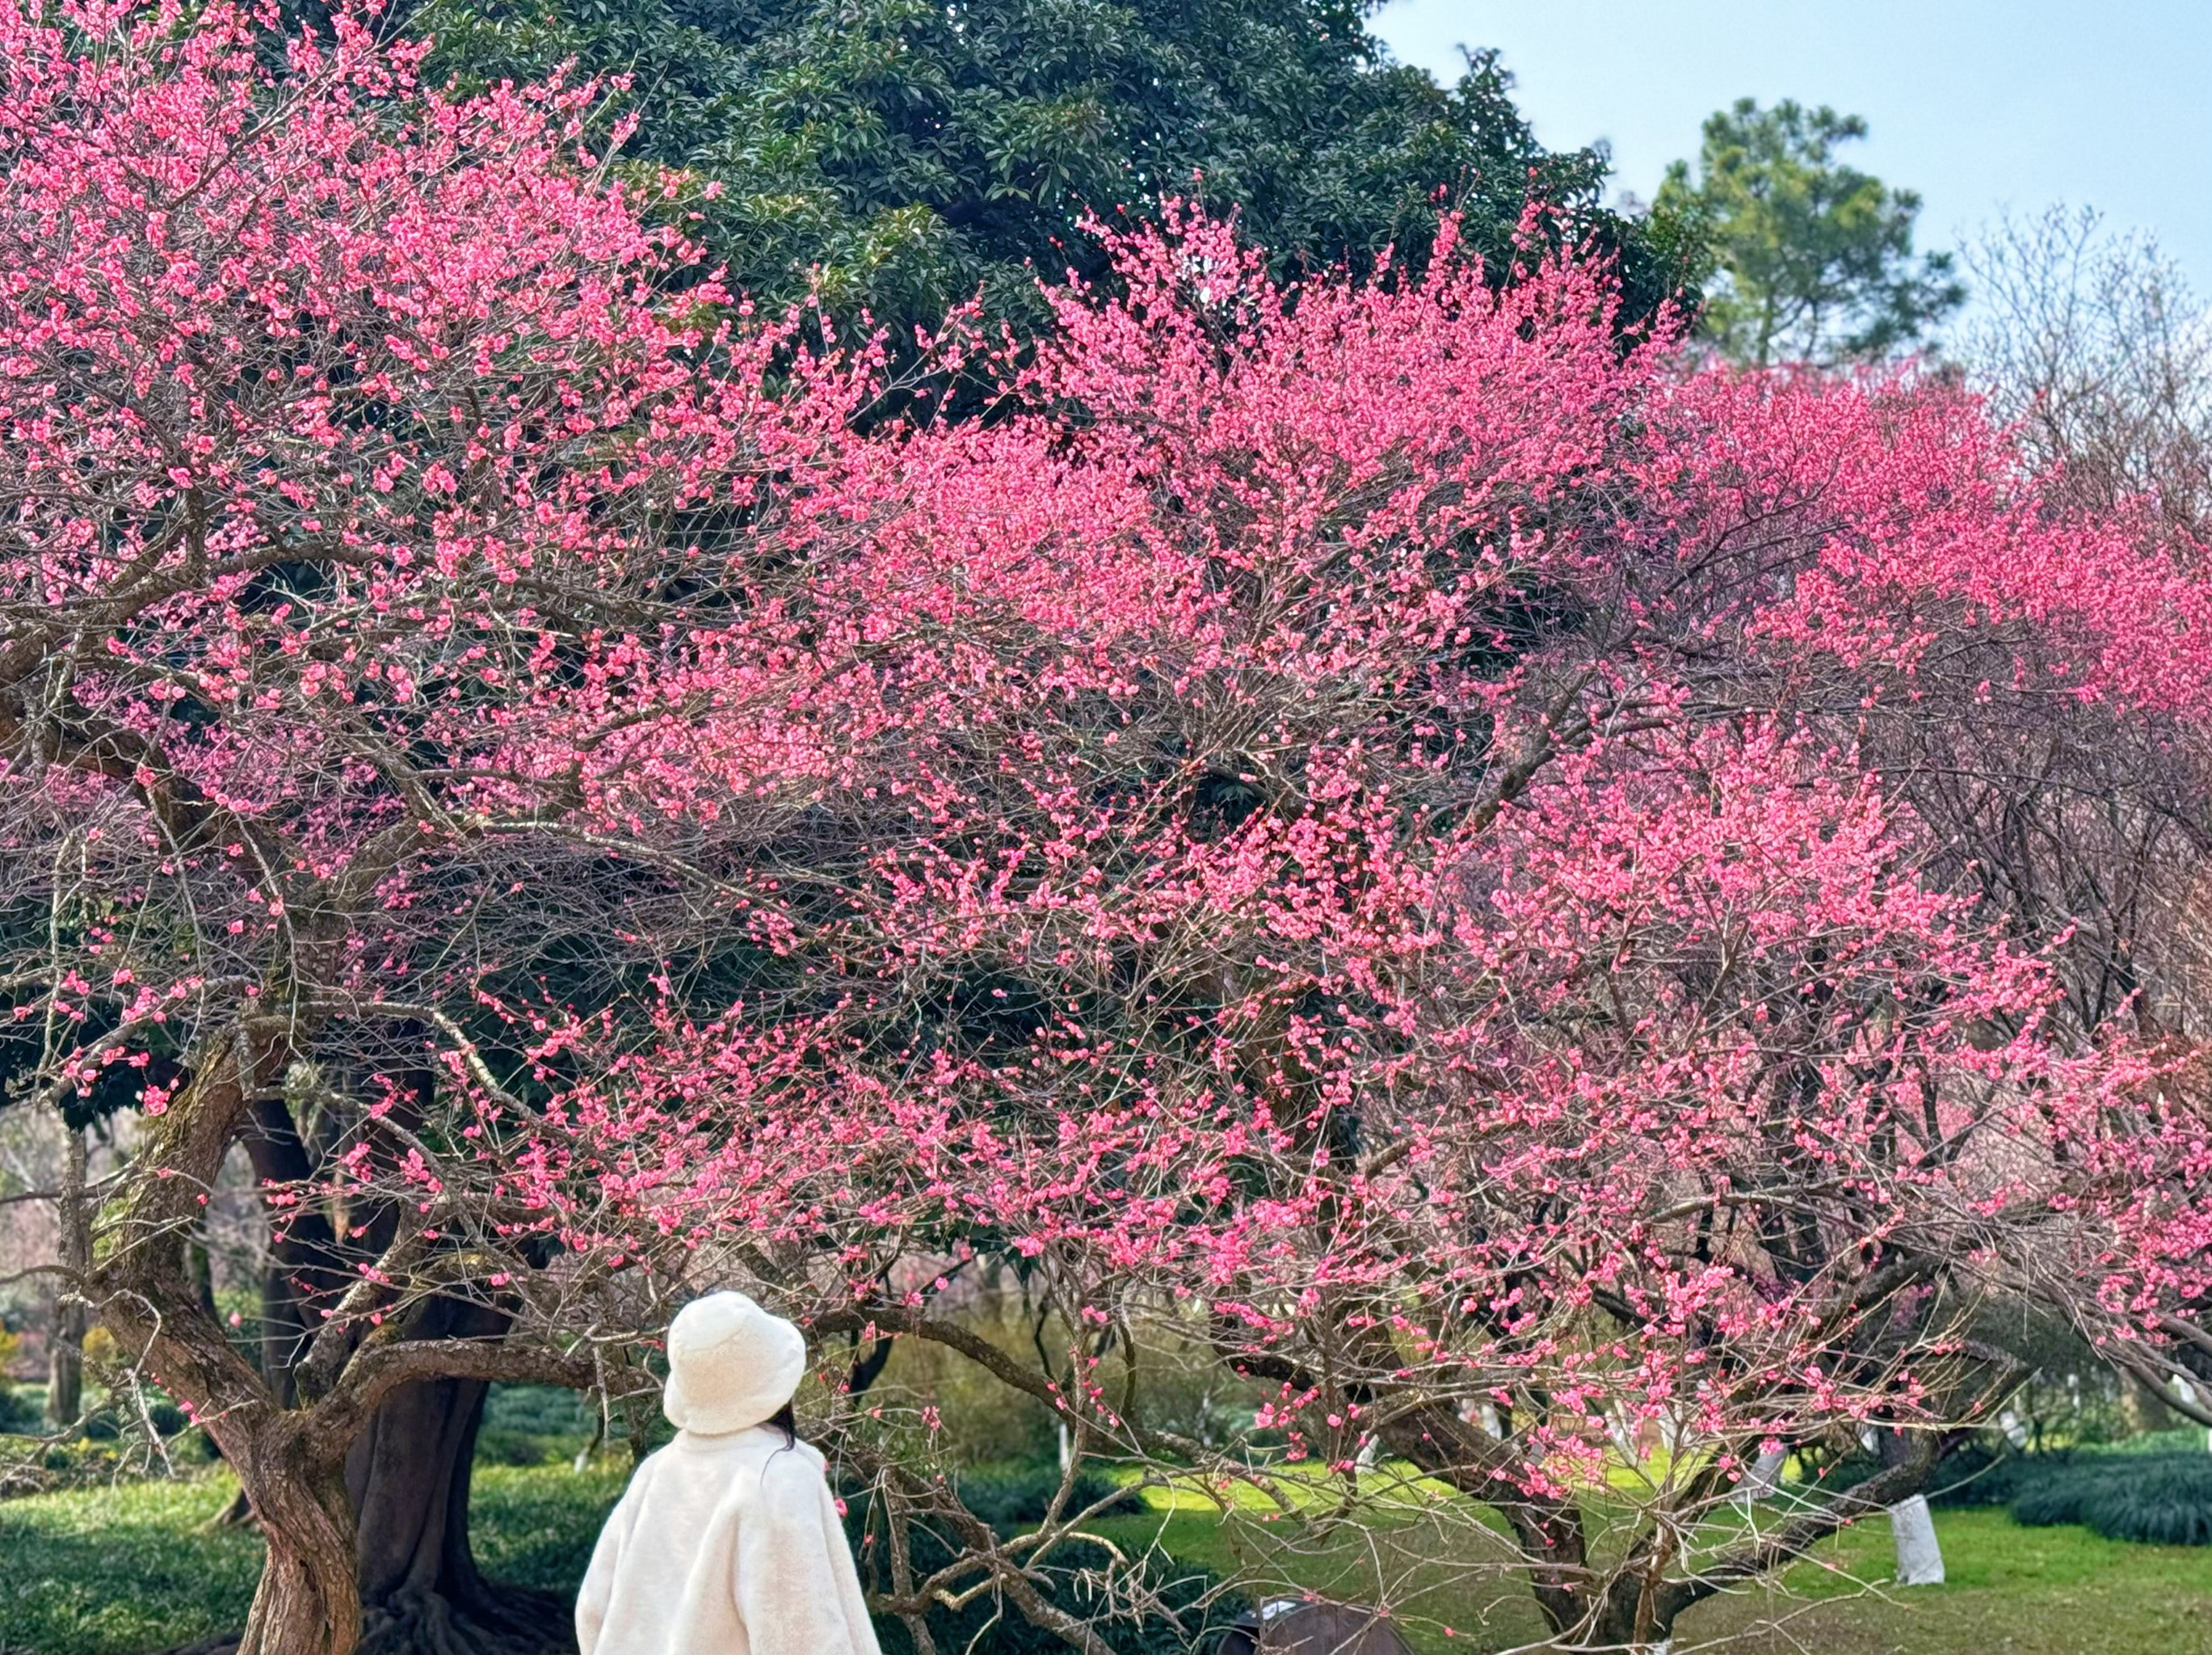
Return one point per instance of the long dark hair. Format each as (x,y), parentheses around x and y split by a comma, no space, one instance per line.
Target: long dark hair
(787,1421)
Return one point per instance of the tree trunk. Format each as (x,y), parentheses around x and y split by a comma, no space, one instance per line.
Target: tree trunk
(65,1362)
(66,1344)
(408,1475)
(2142,1408)
(307,1602)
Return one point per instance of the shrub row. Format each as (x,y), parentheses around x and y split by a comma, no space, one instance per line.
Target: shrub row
(2163,1500)
(2159,1496)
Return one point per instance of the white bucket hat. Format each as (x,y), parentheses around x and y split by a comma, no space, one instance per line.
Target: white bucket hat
(730,1365)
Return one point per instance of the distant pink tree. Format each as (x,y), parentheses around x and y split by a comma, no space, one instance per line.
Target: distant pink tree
(1365,831)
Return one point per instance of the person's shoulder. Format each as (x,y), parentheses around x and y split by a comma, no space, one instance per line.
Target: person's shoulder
(793,1468)
(804,1455)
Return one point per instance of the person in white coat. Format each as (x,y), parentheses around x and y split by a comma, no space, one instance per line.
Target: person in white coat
(726,1541)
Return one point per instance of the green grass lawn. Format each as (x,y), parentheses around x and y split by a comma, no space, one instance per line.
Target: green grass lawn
(2032,1591)
(121,1571)
(125,1570)
(2008,1591)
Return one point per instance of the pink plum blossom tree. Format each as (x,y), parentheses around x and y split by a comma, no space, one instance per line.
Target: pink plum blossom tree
(1382,834)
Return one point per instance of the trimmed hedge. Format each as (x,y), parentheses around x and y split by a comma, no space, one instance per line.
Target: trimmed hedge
(2155,1491)
(1010,1497)
(2162,1500)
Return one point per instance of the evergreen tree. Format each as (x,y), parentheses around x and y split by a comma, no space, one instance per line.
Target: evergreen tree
(905,154)
(1808,259)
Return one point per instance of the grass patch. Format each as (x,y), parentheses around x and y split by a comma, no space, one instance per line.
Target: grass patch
(2009,1590)
(122,1570)
(535,1526)
(126,1569)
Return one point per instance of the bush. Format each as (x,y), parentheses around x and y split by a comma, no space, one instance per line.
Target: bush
(539,1411)
(2159,1499)
(1012,1497)
(2160,1502)
(2054,1495)
(496,1447)
(20,1414)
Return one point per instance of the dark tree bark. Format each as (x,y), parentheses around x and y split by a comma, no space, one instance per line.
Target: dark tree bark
(405,1490)
(408,1474)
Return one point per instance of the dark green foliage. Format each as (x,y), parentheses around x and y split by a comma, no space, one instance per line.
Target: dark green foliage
(516,1448)
(19,1413)
(539,1411)
(913,152)
(536,1425)
(2163,1500)
(1012,1497)
(2055,1495)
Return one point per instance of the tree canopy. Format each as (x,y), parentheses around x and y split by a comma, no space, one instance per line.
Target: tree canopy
(1363,834)
(1811,259)
(904,153)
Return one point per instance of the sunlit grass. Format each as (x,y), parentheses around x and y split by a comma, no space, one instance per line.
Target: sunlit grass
(122,1570)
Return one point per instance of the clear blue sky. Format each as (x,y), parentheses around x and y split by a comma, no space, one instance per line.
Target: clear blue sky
(1975,103)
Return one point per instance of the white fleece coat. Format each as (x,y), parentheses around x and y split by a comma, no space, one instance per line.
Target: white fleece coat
(725,1545)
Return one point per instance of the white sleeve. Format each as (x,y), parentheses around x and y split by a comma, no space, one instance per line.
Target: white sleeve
(793,1567)
(599,1586)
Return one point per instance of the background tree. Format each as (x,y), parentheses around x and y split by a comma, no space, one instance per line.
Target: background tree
(904,153)
(2094,343)
(1812,259)
(2087,827)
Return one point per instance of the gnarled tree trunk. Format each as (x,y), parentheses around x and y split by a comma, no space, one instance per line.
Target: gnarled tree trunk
(408,1475)
(307,1602)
